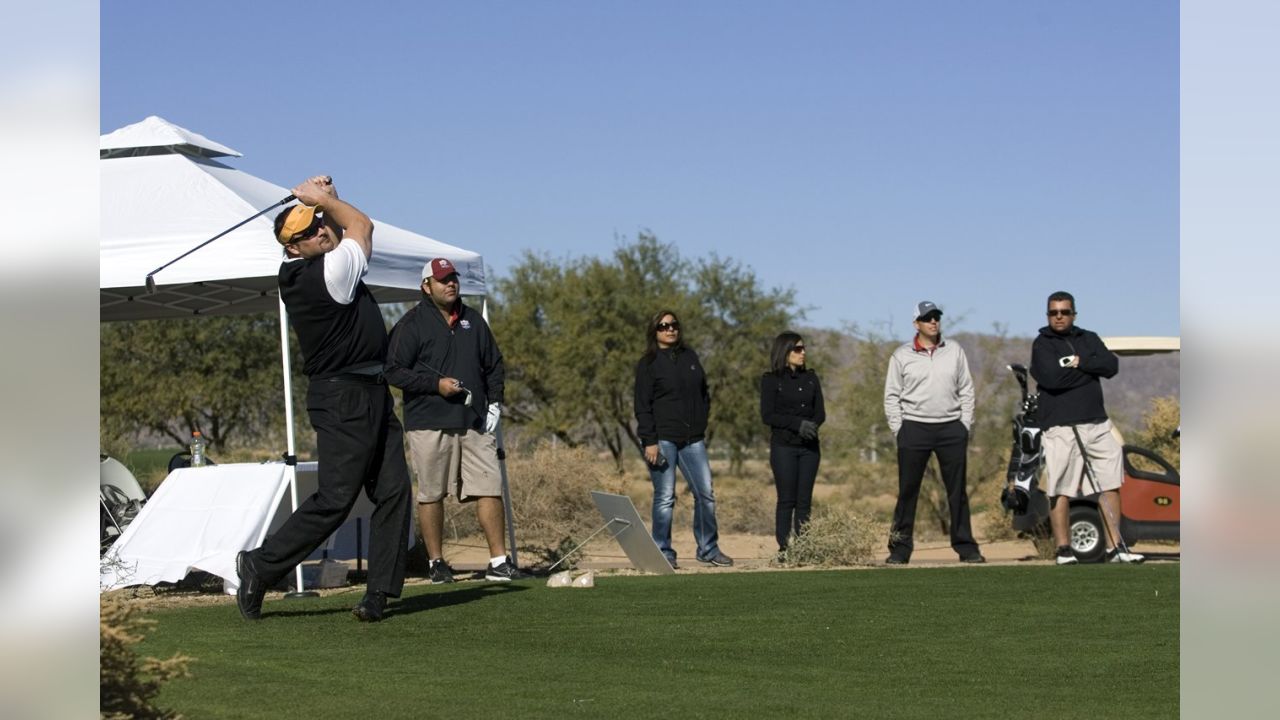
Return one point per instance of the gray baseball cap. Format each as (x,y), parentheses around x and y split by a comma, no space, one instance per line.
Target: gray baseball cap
(924,307)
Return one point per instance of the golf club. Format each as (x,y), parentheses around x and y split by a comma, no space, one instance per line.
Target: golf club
(466,401)
(151,282)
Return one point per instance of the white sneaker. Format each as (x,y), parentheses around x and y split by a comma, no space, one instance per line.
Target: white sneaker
(1065,556)
(1118,555)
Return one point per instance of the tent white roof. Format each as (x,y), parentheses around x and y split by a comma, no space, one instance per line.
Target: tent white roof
(157,136)
(162,195)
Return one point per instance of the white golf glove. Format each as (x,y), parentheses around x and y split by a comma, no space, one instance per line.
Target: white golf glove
(491,419)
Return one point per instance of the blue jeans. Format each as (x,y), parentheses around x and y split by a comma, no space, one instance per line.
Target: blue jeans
(692,460)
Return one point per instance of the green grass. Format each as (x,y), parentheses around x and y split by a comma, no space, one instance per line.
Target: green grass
(992,642)
(149,467)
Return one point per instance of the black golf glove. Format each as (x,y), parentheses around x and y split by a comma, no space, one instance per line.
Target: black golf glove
(808,429)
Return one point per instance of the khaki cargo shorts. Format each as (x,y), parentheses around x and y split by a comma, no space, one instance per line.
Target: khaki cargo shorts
(1064,470)
(461,462)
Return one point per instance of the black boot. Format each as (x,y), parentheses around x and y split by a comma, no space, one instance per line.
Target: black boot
(370,608)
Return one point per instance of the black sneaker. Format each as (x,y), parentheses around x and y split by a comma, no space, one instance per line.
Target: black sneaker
(672,559)
(1065,556)
(370,608)
(251,591)
(974,559)
(896,560)
(505,572)
(718,560)
(440,572)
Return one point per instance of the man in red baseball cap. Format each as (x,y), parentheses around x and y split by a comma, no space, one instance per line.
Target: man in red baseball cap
(444,357)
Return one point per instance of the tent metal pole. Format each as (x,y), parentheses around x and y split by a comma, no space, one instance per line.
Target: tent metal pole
(502,466)
(291,458)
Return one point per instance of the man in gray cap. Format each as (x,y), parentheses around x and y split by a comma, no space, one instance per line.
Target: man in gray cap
(928,400)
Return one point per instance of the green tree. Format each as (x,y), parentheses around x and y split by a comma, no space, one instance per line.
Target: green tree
(219,375)
(572,331)
(856,408)
(738,319)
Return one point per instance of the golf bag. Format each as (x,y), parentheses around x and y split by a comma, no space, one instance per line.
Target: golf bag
(120,497)
(1026,458)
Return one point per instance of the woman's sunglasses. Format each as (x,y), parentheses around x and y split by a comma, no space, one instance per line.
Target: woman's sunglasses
(665,326)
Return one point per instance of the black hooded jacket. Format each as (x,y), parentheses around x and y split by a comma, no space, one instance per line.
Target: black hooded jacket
(1071,396)
(672,400)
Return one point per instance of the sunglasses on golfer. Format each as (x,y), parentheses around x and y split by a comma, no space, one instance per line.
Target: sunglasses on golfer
(798,348)
(1060,313)
(665,326)
(311,231)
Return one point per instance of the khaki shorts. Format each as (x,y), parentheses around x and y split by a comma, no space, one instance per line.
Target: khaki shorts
(1064,467)
(461,462)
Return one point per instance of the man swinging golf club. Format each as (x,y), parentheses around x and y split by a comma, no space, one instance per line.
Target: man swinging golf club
(360,444)
(1068,363)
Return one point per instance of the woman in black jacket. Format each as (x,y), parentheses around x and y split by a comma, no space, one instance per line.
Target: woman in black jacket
(672,402)
(791,404)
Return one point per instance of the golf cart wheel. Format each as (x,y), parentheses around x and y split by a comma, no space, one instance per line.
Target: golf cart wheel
(1086,534)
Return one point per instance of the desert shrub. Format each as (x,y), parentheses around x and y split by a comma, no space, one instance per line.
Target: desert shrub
(743,506)
(551,496)
(129,685)
(996,524)
(1162,418)
(1041,538)
(834,538)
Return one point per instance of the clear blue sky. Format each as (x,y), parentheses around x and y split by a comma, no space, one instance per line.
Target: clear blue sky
(869,154)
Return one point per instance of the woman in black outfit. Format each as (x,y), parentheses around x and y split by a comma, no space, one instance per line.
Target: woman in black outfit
(791,404)
(672,402)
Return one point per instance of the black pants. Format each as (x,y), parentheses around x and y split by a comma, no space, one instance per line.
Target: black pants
(794,470)
(916,441)
(360,444)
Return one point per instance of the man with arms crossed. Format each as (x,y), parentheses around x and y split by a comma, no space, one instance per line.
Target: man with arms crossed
(928,400)
(444,357)
(1081,456)
(359,441)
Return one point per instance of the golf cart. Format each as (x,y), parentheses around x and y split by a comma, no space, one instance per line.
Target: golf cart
(1150,502)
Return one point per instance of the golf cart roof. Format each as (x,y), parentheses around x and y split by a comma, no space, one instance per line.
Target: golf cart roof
(1142,345)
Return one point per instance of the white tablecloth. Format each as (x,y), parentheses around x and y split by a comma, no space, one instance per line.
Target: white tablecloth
(198,519)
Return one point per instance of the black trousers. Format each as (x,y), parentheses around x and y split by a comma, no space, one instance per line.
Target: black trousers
(794,470)
(360,444)
(949,441)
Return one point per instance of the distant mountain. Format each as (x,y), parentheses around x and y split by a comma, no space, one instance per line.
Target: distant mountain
(1128,395)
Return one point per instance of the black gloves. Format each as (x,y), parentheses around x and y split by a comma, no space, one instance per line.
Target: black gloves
(808,430)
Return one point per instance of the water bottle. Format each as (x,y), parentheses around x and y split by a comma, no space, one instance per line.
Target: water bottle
(197,449)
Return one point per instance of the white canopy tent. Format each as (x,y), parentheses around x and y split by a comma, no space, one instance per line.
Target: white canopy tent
(163,193)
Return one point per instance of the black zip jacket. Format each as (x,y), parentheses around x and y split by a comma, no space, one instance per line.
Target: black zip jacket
(788,398)
(422,343)
(672,400)
(1071,396)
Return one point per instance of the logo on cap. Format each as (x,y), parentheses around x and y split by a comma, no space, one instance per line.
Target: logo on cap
(438,268)
(924,307)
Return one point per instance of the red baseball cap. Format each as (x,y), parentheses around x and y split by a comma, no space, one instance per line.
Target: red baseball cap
(438,268)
